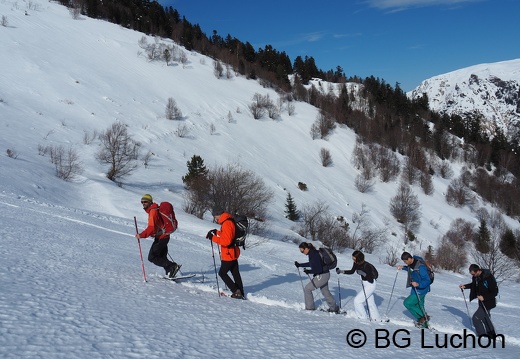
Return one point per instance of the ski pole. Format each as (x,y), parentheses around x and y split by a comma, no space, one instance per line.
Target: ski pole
(215,266)
(140,251)
(467,308)
(420,305)
(366,300)
(339,293)
(488,317)
(391,293)
(301,279)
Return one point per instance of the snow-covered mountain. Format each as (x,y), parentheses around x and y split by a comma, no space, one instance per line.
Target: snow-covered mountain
(490,91)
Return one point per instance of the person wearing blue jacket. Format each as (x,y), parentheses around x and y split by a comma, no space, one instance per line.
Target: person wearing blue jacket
(419,281)
(320,278)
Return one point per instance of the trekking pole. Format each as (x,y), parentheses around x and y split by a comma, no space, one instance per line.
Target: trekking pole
(301,279)
(366,300)
(339,293)
(420,305)
(215,266)
(488,316)
(140,251)
(467,308)
(391,293)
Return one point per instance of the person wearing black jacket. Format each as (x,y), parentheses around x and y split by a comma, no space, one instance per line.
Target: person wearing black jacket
(368,275)
(320,278)
(484,287)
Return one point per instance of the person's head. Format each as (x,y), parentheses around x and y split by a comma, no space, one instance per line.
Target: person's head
(146,201)
(358,257)
(305,247)
(407,258)
(216,212)
(475,270)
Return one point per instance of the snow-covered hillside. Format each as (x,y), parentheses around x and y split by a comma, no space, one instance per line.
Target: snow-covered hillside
(491,90)
(71,281)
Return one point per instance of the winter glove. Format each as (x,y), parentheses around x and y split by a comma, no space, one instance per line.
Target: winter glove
(307,271)
(297,264)
(338,271)
(211,234)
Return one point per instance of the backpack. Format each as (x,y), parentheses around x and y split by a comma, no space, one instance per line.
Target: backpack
(431,274)
(167,216)
(241,227)
(328,258)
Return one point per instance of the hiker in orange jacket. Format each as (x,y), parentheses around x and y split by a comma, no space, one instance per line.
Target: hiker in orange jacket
(158,254)
(228,254)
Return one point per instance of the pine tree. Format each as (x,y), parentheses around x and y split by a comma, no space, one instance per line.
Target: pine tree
(508,244)
(291,212)
(483,242)
(196,171)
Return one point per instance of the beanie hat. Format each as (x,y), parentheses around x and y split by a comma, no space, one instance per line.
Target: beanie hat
(147,197)
(217,210)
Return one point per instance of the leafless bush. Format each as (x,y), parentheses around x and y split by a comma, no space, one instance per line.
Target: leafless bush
(89,138)
(426,183)
(393,256)
(11,153)
(458,194)
(325,157)
(66,163)
(312,217)
(323,126)
(4,22)
(445,170)
(364,236)
(230,117)
(240,191)
(182,130)
(119,151)
(172,110)
(363,184)
(388,164)
(75,10)
(450,257)
(212,129)
(147,158)
(406,208)
(291,109)
(218,69)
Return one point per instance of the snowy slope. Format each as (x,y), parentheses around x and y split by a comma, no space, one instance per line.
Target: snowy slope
(71,281)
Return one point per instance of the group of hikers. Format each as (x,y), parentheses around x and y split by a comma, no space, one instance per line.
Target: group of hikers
(483,285)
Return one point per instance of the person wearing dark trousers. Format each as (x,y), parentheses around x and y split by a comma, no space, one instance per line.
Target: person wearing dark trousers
(320,278)
(229,253)
(483,287)
(158,254)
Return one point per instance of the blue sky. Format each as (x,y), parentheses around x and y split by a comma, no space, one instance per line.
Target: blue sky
(405,41)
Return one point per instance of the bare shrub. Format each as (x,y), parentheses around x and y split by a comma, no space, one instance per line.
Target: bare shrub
(218,69)
(445,170)
(458,194)
(450,257)
(172,110)
(388,164)
(406,208)
(240,191)
(119,151)
(302,186)
(393,256)
(363,184)
(364,236)
(147,158)
(89,138)
(312,217)
(4,22)
(323,125)
(182,130)
(325,157)
(291,109)
(66,163)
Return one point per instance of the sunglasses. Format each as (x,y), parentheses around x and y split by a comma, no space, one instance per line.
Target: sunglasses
(144,202)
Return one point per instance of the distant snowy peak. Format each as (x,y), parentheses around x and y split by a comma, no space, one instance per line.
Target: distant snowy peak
(489,90)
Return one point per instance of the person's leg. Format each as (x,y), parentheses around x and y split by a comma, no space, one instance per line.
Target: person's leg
(359,305)
(412,304)
(481,322)
(225,267)
(235,272)
(158,254)
(369,291)
(322,282)
(309,298)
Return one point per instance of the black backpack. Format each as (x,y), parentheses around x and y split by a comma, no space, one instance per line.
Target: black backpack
(241,226)
(328,258)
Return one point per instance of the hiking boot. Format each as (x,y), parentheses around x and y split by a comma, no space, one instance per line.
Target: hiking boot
(173,270)
(237,294)
(335,311)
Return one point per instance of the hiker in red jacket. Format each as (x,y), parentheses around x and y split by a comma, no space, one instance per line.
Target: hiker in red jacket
(228,253)
(158,254)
